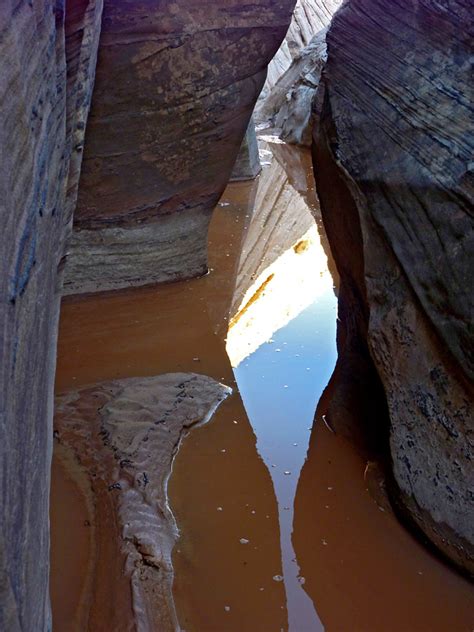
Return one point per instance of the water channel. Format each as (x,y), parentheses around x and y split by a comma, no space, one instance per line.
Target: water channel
(279,529)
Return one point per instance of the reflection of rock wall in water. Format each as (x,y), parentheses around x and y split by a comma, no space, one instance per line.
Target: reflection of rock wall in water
(176,86)
(281,242)
(47,71)
(392,160)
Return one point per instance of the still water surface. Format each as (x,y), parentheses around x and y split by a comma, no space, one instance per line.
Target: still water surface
(341,561)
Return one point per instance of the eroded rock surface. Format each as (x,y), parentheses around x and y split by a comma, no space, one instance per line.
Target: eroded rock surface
(288,106)
(247,165)
(48,54)
(393,167)
(309,18)
(176,86)
(123,435)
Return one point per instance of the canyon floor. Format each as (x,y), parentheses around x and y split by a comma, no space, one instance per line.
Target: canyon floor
(277,523)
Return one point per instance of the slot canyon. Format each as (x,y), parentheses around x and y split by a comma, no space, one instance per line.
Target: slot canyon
(237,351)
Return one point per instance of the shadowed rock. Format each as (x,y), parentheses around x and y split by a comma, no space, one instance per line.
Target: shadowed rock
(393,154)
(176,86)
(247,166)
(45,89)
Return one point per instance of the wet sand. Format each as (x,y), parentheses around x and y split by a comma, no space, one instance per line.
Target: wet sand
(366,576)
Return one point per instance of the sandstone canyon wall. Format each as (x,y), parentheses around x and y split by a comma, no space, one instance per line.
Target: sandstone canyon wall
(176,85)
(393,165)
(309,17)
(45,90)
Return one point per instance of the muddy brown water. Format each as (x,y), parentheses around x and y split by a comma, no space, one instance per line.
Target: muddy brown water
(278,528)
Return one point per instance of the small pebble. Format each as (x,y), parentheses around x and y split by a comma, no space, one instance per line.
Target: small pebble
(277,578)
(244,541)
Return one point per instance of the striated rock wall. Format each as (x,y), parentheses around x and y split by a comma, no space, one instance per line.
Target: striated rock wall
(392,155)
(309,18)
(288,105)
(176,85)
(45,90)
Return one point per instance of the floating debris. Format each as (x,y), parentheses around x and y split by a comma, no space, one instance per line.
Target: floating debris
(286,472)
(244,541)
(277,578)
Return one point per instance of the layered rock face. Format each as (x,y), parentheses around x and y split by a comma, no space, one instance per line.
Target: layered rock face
(176,85)
(288,105)
(392,163)
(309,17)
(45,90)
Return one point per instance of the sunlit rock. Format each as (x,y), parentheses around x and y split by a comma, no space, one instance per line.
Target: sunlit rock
(272,285)
(287,108)
(309,18)
(293,75)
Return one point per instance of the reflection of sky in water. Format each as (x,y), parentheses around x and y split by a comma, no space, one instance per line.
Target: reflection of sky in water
(280,384)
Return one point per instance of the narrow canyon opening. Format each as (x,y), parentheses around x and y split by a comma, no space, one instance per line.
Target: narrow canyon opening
(283,524)
(236,299)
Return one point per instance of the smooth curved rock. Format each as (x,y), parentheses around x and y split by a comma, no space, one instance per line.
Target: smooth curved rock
(176,86)
(45,88)
(393,165)
(123,436)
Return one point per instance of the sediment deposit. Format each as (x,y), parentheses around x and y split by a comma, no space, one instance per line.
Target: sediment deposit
(123,435)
